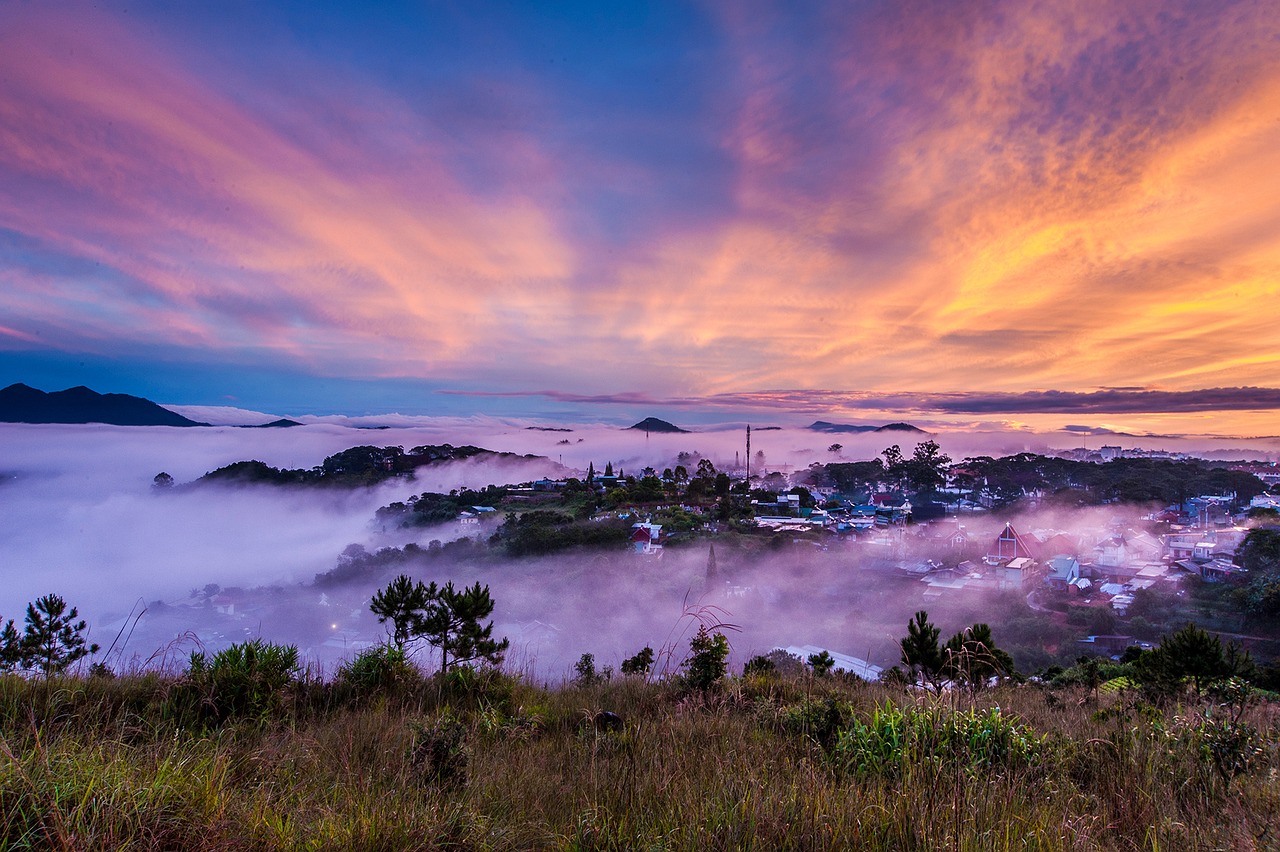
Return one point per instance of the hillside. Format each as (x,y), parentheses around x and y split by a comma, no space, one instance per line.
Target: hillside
(20,403)
(386,758)
(653,424)
(847,428)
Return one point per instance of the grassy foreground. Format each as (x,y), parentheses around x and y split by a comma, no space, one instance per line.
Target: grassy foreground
(491,762)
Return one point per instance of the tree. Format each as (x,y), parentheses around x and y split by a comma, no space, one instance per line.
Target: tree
(1190,653)
(1259,553)
(927,468)
(920,652)
(822,663)
(705,666)
(452,624)
(162,480)
(640,663)
(835,449)
(53,639)
(971,657)
(403,602)
(10,647)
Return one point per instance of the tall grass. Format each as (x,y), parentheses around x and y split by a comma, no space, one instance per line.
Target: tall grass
(489,761)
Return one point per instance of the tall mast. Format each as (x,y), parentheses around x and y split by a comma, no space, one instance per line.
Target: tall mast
(748,456)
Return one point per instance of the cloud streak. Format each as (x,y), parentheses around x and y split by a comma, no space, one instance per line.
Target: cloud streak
(897,198)
(1107,401)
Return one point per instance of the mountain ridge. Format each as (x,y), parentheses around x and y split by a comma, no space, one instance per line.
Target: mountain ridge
(21,403)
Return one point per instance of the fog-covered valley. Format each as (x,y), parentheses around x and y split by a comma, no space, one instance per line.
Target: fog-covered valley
(214,563)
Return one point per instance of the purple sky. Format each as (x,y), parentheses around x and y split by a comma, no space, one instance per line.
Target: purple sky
(959,209)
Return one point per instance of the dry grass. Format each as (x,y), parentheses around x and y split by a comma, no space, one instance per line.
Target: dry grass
(96,764)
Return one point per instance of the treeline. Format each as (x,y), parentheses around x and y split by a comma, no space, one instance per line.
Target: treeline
(354,467)
(431,508)
(356,564)
(543,531)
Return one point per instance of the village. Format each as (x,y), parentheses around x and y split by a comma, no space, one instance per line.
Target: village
(911,532)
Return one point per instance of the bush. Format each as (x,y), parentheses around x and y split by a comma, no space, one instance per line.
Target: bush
(439,750)
(245,681)
(705,667)
(893,739)
(382,668)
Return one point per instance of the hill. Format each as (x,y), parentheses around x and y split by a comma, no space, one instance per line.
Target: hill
(653,424)
(846,428)
(21,403)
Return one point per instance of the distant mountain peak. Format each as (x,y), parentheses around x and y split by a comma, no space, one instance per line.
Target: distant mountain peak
(847,428)
(653,424)
(20,403)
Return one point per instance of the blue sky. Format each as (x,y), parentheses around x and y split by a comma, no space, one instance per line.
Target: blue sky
(698,208)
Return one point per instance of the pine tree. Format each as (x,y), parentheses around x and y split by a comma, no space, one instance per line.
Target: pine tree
(53,639)
(403,602)
(972,658)
(10,647)
(920,652)
(452,624)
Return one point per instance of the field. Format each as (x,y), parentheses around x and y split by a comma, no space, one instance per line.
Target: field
(389,759)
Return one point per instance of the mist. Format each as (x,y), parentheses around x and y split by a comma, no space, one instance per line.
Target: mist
(81,518)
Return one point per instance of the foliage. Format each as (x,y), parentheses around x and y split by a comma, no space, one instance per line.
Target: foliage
(439,750)
(246,680)
(640,664)
(404,603)
(920,652)
(800,764)
(382,668)
(585,673)
(541,531)
(892,740)
(705,666)
(1189,654)
(1259,553)
(53,640)
(449,619)
(971,657)
(822,663)
(453,625)
(10,647)
(758,666)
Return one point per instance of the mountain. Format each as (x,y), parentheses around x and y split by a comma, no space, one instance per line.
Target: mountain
(23,404)
(901,427)
(282,423)
(653,424)
(845,428)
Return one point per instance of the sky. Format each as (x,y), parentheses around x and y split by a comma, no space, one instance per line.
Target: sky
(1055,213)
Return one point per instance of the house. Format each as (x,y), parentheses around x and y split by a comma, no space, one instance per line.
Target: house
(646,538)
(1009,545)
(1122,553)
(1016,573)
(1064,571)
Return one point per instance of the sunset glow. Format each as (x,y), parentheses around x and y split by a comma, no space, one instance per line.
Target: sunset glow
(684,206)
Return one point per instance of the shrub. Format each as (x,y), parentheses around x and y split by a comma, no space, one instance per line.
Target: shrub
(382,668)
(705,667)
(640,664)
(439,750)
(893,739)
(246,680)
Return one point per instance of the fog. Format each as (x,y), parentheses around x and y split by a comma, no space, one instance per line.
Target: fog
(80,518)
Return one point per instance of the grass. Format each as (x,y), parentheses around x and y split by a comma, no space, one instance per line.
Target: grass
(494,762)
